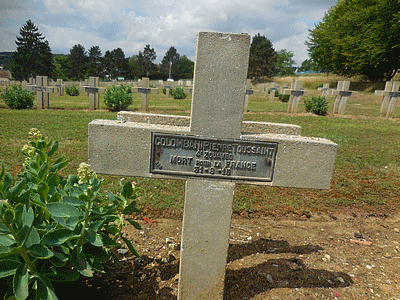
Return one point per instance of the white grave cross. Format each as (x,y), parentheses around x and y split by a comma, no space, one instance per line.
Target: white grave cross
(390,95)
(93,90)
(212,154)
(295,93)
(342,93)
(145,90)
(42,91)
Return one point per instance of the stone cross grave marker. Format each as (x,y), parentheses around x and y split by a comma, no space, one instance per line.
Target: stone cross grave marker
(390,95)
(211,154)
(249,91)
(341,93)
(324,89)
(59,87)
(93,90)
(42,91)
(295,93)
(272,90)
(145,90)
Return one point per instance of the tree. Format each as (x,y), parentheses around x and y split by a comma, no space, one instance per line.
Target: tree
(145,61)
(115,63)
(61,66)
(262,58)
(358,37)
(284,63)
(33,55)
(170,57)
(308,65)
(185,68)
(95,62)
(77,63)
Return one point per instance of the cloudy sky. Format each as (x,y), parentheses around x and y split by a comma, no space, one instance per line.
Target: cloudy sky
(132,24)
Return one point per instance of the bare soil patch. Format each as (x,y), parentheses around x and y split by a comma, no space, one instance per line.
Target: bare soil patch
(341,256)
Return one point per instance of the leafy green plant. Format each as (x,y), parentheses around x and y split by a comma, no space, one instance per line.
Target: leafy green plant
(16,97)
(282,97)
(316,105)
(177,93)
(72,90)
(54,228)
(118,98)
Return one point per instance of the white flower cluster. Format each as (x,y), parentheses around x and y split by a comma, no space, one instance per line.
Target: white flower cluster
(85,173)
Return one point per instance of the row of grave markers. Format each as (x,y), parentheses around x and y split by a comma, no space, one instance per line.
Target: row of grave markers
(342,92)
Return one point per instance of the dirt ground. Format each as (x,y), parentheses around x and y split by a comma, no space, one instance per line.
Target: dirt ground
(341,256)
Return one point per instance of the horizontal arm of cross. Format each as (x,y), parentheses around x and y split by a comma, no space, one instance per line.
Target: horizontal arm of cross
(124,148)
(35,88)
(387,94)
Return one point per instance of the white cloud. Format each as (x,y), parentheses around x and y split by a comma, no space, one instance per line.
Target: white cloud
(131,25)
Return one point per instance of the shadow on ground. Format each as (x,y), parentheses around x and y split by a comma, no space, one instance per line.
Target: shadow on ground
(140,277)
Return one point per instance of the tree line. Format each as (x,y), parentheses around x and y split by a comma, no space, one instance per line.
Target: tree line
(358,38)
(33,57)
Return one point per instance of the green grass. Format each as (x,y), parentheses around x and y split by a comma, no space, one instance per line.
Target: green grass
(367,167)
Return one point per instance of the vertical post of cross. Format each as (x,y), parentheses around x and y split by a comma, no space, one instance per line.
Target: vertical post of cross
(248,92)
(144,90)
(42,95)
(217,111)
(94,102)
(386,98)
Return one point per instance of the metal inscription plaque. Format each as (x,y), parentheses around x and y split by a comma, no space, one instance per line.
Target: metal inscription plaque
(297,93)
(249,92)
(394,94)
(91,90)
(345,93)
(144,90)
(231,159)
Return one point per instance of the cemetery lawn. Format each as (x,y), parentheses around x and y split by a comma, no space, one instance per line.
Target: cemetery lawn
(366,174)
(285,243)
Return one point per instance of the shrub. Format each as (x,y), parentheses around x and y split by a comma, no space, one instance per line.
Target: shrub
(118,98)
(177,93)
(55,228)
(72,90)
(316,105)
(16,97)
(282,97)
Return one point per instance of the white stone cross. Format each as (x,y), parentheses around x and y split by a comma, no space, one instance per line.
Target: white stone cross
(93,90)
(390,95)
(145,90)
(272,90)
(249,91)
(295,93)
(59,87)
(211,154)
(42,91)
(324,89)
(341,93)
